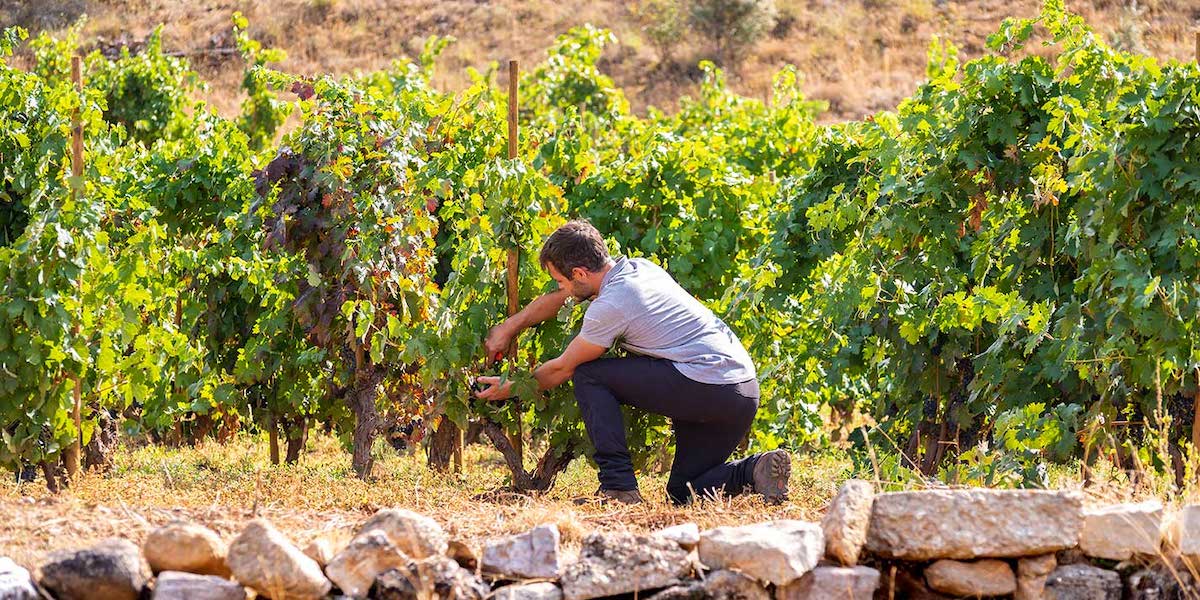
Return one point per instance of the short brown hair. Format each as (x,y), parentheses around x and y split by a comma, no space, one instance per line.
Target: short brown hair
(575,244)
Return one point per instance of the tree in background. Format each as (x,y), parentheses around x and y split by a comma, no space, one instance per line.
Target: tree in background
(732,25)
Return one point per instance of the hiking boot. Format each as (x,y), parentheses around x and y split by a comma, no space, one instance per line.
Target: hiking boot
(771,474)
(603,496)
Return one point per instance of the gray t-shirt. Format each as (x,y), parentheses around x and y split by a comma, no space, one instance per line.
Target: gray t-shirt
(642,308)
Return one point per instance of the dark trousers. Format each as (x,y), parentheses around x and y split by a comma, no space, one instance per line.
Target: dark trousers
(709,422)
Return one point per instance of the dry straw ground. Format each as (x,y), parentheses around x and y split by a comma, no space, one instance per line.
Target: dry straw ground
(224,486)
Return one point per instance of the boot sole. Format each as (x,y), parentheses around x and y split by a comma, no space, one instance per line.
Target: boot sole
(772,478)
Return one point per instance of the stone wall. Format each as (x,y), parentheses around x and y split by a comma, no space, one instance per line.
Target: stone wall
(931,544)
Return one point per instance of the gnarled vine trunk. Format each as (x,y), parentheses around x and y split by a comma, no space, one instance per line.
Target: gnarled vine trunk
(97,454)
(554,461)
(442,444)
(361,400)
(296,432)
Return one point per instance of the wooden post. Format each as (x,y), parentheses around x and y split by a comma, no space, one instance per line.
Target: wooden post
(458,450)
(273,437)
(1196,404)
(73,451)
(1198,46)
(514,254)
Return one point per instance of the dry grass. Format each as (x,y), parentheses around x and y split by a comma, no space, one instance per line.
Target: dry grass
(224,486)
(859,55)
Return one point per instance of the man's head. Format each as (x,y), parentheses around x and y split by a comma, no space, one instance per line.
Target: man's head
(576,257)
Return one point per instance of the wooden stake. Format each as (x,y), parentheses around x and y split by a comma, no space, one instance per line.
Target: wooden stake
(73,451)
(1198,46)
(1196,413)
(514,254)
(458,450)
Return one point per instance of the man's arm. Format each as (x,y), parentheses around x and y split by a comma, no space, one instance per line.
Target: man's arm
(549,374)
(556,371)
(544,308)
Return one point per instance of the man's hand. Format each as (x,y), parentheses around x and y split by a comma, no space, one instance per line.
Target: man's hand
(495,390)
(544,308)
(498,340)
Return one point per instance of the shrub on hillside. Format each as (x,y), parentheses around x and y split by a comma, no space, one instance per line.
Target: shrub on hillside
(733,25)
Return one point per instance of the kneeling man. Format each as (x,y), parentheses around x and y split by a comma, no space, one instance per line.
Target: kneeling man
(687,365)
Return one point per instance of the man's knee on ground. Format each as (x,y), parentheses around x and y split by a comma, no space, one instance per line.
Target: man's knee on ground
(679,492)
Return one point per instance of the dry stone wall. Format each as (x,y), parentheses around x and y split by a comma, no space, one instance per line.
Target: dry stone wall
(931,544)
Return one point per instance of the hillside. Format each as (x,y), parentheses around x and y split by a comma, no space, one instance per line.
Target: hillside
(860,55)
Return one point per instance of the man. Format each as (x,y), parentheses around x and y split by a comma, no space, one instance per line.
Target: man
(687,365)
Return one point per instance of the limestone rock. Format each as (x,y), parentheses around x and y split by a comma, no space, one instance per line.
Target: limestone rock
(263,559)
(840,583)
(530,555)
(543,590)
(718,585)
(415,535)
(437,577)
(1083,582)
(1031,576)
(965,524)
(1183,532)
(845,523)
(686,535)
(176,585)
(778,551)
(15,581)
(620,562)
(110,570)
(187,547)
(988,577)
(321,549)
(1118,532)
(355,568)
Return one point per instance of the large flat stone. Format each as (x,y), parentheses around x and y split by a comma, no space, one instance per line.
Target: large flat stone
(110,570)
(845,523)
(186,547)
(832,583)
(975,523)
(686,535)
(778,551)
(15,581)
(414,534)
(355,568)
(530,555)
(175,585)
(1120,531)
(543,590)
(1183,532)
(620,563)
(717,585)
(987,577)
(265,560)
(1083,582)
(434,578)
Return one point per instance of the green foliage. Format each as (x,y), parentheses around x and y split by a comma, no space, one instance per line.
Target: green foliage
(53,245)
(1017,234)
(262,112)
(1000,268)
(144,93)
